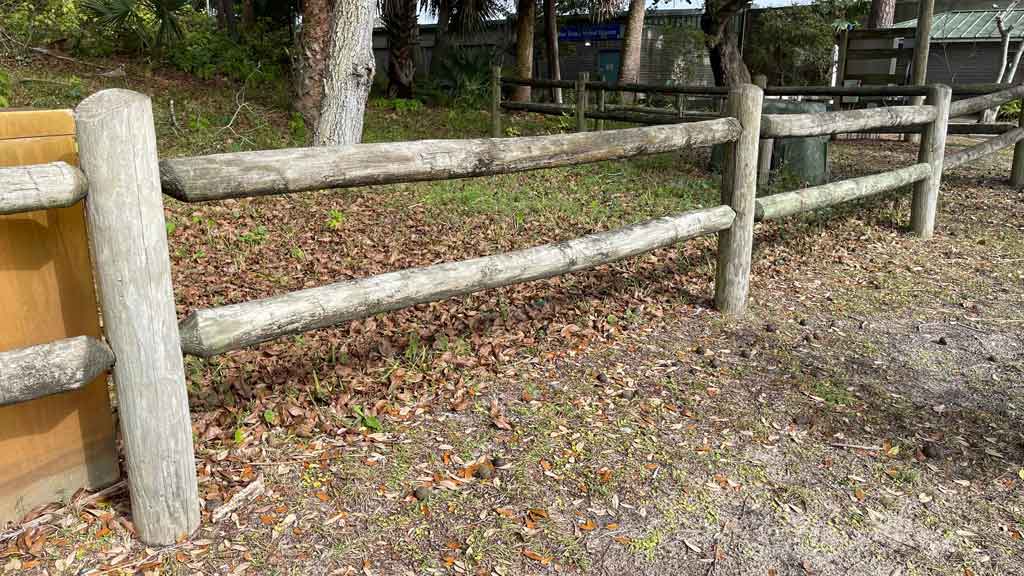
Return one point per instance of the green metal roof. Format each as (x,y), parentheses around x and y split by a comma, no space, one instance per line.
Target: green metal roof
(970,25)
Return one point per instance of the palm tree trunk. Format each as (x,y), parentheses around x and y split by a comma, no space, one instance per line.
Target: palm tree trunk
(629,72)
(525,16)
(400,20)
(551,45)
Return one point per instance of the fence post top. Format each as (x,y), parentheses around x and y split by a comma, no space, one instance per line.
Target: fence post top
(746,90)
(106,101)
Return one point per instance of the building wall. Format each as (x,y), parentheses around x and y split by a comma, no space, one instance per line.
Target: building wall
(907,9)
(967,62)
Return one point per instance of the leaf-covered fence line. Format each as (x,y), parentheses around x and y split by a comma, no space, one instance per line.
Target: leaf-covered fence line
(122,182)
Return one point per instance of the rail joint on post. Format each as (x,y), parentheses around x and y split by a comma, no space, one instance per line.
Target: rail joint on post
(932,151)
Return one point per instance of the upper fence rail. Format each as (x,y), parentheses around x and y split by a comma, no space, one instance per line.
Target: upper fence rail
(40,186)
(245,174)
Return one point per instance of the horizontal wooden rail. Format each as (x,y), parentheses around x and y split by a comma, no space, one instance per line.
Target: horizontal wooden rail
(789,203)
(986,101)
(615,115)
(978,151)
(878,53)
(958,128)
(242,174)
(61,366)
(214,331)
(40,186)
(823,123)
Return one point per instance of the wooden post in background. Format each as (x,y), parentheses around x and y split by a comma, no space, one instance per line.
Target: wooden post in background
(1017,171)
(53,446)
(581,102)
(496,102)
(766,147)
(739,190)
(680,105)
(932,151)
(602,105)
(127,232)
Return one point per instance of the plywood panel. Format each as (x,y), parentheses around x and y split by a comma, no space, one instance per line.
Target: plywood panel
(51,447)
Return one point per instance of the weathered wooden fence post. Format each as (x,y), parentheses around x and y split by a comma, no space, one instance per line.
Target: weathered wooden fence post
(127,233)
(602,106)
(1017,172)
(766,148)
(739,190)
(933,148)
(496,102)
(581,102)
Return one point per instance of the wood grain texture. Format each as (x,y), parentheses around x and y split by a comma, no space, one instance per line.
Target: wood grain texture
(789,203)
(824,123)
(243,174)
(124,209)
(214,331)
(932,151)
(739,190)
(40,186)
(985,101)
(978,151)
(54,446)
(36,371)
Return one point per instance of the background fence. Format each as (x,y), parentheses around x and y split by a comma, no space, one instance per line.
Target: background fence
(122,181)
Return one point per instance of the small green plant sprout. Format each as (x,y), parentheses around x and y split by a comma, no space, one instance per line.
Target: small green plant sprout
(335,219)
(368,420)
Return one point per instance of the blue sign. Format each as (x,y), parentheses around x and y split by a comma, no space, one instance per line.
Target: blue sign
(576,33)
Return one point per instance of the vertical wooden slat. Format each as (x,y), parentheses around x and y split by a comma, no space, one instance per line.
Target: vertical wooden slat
(50,447)
(581,102)
(496,102)
(1017,171)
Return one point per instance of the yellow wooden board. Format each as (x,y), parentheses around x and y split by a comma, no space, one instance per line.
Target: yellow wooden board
(50,447)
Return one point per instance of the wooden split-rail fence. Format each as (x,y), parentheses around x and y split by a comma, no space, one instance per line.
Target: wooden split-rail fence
(122,181)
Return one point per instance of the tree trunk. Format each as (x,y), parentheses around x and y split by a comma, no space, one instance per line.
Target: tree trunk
(629,72)
(348,74)
(722,43)
(882,13)
(551,44)
(312,48)
(248,13)
(226,17)
(441,43)
(400,21)
(525,16)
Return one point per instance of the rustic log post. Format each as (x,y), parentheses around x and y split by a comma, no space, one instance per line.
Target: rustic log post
(922,45)
(496,102)
(739,190)
(581,102)
(932,151)
(127,234)
(1017,171)
(766,147)
(602,104)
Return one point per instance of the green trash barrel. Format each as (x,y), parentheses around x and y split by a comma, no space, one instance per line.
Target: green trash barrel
(798,162)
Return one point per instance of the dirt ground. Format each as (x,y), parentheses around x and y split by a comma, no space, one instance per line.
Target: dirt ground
(864,418)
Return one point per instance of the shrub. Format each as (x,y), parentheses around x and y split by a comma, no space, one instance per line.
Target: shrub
(205,51)
(5,89)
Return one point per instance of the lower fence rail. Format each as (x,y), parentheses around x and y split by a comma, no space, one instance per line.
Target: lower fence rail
(60,366)
(216,330)
(789,203)
(990,146)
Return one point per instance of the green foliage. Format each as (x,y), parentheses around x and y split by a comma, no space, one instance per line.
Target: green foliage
(335,219)
(686,48)
(153,22)
(397,104)
(793,46)
(204,51)
(5,89)
(34,22)
(368,420)
(464,79)
(1008,111)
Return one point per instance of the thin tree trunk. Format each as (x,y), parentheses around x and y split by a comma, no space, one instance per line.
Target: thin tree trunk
(400,20)
(629,72)
(882,13)
(248,13)
(313,45)
(525,16)
(226,17)
(723,45)
(441,40)
(551,44)
(348,74)
(1006,71)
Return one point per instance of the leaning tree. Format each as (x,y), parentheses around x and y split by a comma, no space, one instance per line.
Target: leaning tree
(722,43)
